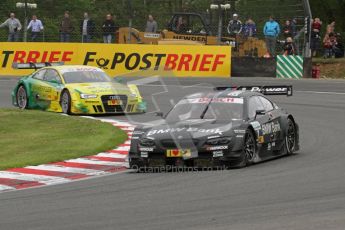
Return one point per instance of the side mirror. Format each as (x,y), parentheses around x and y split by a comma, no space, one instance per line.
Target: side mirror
(118,80)
(259,112)
(159,114)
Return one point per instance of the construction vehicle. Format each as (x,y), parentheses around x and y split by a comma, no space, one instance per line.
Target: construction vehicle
(192,29)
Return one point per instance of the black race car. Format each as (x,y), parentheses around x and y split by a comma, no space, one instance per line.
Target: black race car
(227,127)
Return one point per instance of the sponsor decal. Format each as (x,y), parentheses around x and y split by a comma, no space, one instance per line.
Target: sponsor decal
(144,154)
(256,125)
(239,136)
(218,153)
(269,147)
(137,132)
(260,139)
(8,57)
(271,127)
(214,100)
(191,38)
(211,148)
(211,137)
(146,149)
(173,130)
(151,35)
(119,59)
(239,131)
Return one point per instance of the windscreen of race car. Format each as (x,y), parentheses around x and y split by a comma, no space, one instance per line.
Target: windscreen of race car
(220,109)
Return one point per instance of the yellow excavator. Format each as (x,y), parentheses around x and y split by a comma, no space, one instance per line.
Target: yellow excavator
(192,29)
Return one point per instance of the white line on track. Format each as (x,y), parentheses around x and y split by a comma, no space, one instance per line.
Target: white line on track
(57,168)
(321,92)
(32,177)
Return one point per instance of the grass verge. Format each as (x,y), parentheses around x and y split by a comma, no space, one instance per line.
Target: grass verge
(331,67)
(29,137)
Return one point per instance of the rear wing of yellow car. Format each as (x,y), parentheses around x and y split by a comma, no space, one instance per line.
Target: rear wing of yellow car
(35,66)
(266,90)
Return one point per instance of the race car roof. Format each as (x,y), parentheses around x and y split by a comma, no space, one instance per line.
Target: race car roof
(75,68)
(226,93)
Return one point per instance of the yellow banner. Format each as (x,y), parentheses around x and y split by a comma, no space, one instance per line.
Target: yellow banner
(122,59)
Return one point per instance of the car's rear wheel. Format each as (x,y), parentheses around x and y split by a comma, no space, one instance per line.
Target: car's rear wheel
(66,102)
(22,97)
(290,139)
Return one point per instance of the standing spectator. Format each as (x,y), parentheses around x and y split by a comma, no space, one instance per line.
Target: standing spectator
(294,27)
(249,28)
(66,28)
(14,27)
(108,28)
(271,32)
(330,28)
(151,25)
(315,42)
(287,29)
(234,26)
(289,47)
(87,28)
(36,28)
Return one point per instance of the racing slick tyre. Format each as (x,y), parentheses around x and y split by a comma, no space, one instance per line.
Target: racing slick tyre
(66,102)
(22,97)
(249,152)
(290,139)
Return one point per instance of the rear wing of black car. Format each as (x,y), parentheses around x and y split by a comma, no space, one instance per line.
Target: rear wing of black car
(266,90)
(35,66)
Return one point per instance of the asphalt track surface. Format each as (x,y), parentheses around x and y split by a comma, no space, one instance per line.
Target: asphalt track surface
(303,191)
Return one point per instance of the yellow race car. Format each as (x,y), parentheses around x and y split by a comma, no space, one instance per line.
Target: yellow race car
(74,89)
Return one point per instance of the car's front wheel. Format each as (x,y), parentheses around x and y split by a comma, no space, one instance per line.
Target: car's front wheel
(290,139)
(249,150)
(66,102)
(22,97)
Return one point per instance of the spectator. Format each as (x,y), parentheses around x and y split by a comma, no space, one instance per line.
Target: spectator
(339,47)
(151,25)
(234,26)
(14,27)
(315,43)
(287,29)
(87,28)
(108,28)
(294,27)
(181,26)
(271,32)
(329,43)
(330,28)
(289,47)
(66,28)
(36,28)
(249,28)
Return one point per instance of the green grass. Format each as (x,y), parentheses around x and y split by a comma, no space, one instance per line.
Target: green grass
(328,60)
(34,137)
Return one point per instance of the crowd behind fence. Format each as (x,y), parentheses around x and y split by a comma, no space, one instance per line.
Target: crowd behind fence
(91,29)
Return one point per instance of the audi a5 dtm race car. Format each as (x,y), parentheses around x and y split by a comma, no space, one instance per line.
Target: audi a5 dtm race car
(227,127)
(74,89)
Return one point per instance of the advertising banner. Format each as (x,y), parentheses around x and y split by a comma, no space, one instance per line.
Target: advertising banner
(122,59)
